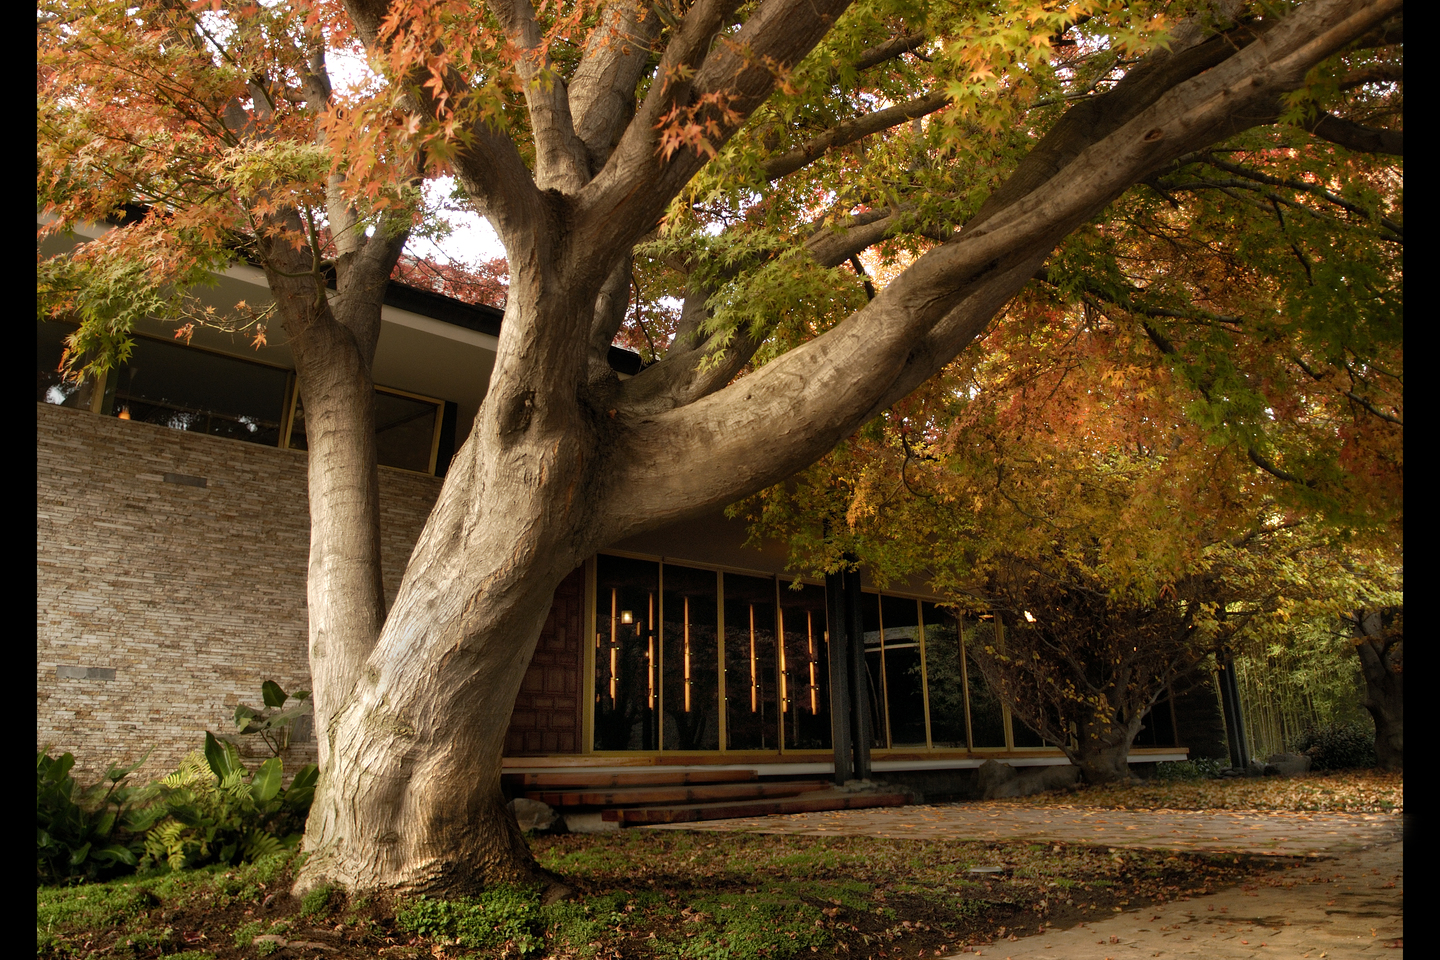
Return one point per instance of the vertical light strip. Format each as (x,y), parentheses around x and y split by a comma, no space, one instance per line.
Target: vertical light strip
(650,648)
(810,652)
(754,687)
(614,641)
(784,676)
(687,654)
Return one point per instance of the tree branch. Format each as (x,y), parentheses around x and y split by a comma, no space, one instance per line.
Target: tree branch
(488,165)
(602,89)
(561,160)
(851,131)
(1357,137)
(709,98)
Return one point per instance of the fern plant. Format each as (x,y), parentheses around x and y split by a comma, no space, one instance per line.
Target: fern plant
(220,812)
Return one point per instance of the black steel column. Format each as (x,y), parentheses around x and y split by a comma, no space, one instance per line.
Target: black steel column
(859,676)
(840,702)
(1230,703)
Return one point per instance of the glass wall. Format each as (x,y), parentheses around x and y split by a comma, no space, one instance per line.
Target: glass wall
(752,681)
(904,671)
(804,667)
(987,714)
(945,677)
(627,627)
(690,659)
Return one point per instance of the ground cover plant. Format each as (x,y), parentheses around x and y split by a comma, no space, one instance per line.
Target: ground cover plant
(647,894)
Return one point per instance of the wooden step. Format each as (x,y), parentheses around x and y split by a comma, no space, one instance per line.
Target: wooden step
(806,803)
(680,793)
(582,779)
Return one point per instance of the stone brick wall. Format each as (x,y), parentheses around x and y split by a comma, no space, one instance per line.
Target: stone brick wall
(547,717)
(170,582)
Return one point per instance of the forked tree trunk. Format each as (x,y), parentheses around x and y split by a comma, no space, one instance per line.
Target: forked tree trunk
(415,751)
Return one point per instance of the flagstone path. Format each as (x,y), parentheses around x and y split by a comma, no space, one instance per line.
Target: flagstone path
(1282,834)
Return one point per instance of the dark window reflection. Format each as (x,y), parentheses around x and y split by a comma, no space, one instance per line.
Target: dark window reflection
(946,680)
(874,667)
(751,668)
(404,430)
(690,660)
(1024,736)
(805,677)
(987,716)
(1158,727)
(178,387)
(51,388)
(626,654)
(904,680)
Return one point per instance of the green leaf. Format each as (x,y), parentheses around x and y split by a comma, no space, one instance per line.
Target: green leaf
(274,696)
(244,719)
(116,774)
(302,788)
(267,781)
(223,758)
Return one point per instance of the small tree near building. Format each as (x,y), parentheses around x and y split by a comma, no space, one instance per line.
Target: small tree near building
(1083,668)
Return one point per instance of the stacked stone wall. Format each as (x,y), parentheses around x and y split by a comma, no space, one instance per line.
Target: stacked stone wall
(170,583)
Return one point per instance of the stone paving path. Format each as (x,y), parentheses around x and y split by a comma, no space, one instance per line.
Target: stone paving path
(1283,834)
(1341,908)
(1348,902)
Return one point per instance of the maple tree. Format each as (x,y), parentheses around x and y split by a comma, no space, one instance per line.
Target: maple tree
(737,155)
(1100,476)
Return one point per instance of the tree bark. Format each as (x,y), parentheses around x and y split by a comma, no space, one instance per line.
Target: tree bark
(1103,756)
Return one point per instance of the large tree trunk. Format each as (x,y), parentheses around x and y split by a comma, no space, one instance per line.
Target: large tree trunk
(416,749)
(1380,646)
(1102,750)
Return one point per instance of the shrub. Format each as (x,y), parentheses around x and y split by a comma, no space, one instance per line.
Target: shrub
(217,811)
(1201,768)
(91,834)
(1339,746)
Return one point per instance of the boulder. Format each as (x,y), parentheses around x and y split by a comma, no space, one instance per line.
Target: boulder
(1289,764)
(999,781)
(532,815)
(991,776)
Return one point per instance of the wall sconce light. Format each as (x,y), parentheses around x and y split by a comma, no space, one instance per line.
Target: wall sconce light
(627,616)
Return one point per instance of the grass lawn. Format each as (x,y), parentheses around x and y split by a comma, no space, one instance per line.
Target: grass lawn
(670,894)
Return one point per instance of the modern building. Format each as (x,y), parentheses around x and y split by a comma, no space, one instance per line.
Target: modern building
(172,543)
